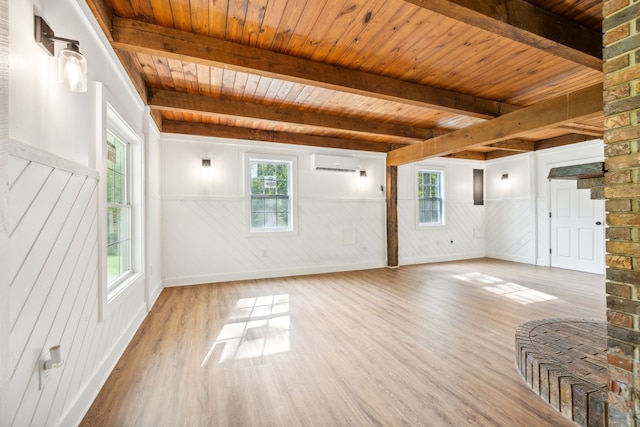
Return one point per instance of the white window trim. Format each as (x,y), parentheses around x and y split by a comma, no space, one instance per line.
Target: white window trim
(427,168)
(112,296)
(293,178)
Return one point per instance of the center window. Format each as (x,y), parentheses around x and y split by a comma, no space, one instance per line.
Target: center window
(271,204)
(430,198)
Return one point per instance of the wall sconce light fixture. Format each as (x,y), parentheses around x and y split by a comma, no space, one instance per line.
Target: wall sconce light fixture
(72,65)
(504,176)
(206,163)
(51,360)
(363,174)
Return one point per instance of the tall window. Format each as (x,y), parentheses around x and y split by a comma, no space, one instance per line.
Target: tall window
(118,210)
(271,204)
(430,198)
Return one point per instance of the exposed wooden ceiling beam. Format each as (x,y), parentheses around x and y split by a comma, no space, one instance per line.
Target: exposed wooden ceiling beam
(510,148)
(156,116)
(562,140)
(135,36)
(180,102)
(128,62)
(580,105)
(467,155)
(516,145)
(104,15)
(527,24)
(219,131)
(502,149)
(498,154)
(594,131)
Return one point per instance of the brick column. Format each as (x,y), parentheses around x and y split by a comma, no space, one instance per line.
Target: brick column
(621,29)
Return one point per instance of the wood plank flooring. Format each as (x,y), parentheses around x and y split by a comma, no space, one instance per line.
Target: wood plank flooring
(425,345)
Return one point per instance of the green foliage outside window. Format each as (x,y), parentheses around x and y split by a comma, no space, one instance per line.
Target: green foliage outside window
(118,210)
(429,197)
(270,198)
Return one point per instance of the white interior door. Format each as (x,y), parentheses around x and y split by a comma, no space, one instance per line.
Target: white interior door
(577,228)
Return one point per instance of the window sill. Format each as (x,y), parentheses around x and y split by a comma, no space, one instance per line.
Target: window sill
(431,227)
(271,233)
(119,292)
(120,284)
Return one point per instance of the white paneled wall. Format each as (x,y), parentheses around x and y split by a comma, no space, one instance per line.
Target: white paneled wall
(511,221)
(518,208)
(4,196)
(210,244)
(53,232)
(510,232)
(341,217)
(153,226)
(50,282)
(464,222)
(461,238)
(204,217)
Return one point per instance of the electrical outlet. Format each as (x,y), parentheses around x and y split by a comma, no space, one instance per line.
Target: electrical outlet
(48,361)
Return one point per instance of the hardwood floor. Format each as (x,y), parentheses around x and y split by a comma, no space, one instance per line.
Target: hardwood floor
(425,345)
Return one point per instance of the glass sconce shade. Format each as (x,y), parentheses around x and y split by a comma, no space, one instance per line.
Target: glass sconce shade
(72,68)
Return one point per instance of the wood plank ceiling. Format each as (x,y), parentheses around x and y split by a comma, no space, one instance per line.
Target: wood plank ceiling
(476,79)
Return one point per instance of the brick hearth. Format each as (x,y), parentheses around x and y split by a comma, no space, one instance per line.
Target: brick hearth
(565,363)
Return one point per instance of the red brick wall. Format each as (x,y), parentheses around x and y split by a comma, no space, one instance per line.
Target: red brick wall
(622,192)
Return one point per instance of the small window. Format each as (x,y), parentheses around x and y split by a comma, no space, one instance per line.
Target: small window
(118,211)
(270,193)
(430,197)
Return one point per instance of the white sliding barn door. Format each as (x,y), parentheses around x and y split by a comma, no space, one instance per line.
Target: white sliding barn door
(577,228)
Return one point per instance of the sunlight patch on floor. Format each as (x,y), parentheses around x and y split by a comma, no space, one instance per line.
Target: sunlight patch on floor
(478,277)
(257,327)
(513,291)
(519,293)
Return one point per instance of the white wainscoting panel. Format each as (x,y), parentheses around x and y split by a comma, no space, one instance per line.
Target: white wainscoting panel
(4,200)
(510,236)
(53,242)
(465,226)
(464,221)
(209,241)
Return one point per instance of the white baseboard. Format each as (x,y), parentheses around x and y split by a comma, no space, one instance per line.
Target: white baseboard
(155,293)
(85,397)
(440,258)
(513,258)
(267,274)
(543,262)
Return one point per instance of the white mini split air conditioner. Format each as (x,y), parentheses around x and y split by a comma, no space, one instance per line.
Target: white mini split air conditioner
(323,162)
